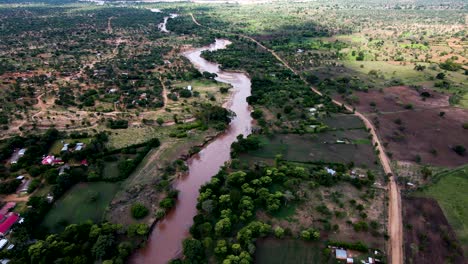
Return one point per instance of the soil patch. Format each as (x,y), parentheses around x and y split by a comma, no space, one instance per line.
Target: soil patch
(393,99)
(428,236)
(426,132)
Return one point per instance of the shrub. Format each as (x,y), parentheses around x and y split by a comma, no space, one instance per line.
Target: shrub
(117,124)
(279,232)
(138,230)
(139,211)
(8,187)
(450,65)
(33,185)
(167,203)
(459,149)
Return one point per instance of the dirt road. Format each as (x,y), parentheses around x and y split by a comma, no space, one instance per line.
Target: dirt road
(395,230)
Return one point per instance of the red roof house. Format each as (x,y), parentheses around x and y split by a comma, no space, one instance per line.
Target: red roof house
(7,207)
(51,160)
(7,222)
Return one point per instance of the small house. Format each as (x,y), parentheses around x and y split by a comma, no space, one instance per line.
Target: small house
(79,146)
(63,168)
(64,148)
(330,171)
(23,188)
(21,152)
(6,222)
(189,87)
(7,207)
(51,160)
(3,243)
(341,254)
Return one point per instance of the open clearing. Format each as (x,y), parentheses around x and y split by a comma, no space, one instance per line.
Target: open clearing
(319,148)
(327,207)
(448,191)
(414,128)
(428,236)
(85,201)
(271,251)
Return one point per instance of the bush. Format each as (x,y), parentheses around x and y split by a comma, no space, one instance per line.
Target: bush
(460,150)
(167,203)
(450,65)
(33,185)
(361,226)
(138,230)
(185,93)
(279,232)
(139,211)
(117,124)
(8,187)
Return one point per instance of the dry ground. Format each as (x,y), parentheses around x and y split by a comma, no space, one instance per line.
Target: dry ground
(419,131)
(428,236)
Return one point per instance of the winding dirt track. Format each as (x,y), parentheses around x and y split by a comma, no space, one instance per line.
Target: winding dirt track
(395,230)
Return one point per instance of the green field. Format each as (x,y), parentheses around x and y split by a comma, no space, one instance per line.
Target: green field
(271,251)
(111,170)
(450,192)
(76,205)
(340,121)
(318,148)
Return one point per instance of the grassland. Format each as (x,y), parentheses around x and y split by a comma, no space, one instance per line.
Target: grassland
(85,201)
(319,148)
(449,191)
(271,251)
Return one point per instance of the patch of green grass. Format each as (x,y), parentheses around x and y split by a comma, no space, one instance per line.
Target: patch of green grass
(111,170)
(318,148)
(85,201)
(389,70)
(414,46)
(272,251)
(364,141)
(285,212)
(450,192)
(339,121)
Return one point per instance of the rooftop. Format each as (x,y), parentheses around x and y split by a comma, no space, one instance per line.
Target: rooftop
(10,220)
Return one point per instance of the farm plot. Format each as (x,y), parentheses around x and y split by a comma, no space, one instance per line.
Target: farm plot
(398,98)
(428,236)
(417,129)
(450,192)
(334,146)
(341,121)
(85,201)
(271,251)
(341,213)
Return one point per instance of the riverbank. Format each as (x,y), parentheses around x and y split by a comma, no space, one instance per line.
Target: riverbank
(166,238)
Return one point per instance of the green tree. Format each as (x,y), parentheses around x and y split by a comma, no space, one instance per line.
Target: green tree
(193,250)
(139,211)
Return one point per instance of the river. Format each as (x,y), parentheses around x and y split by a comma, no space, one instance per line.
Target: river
(165,241)
(162,26)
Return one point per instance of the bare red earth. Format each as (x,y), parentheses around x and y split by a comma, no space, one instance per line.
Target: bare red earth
(420,131)
(428,237)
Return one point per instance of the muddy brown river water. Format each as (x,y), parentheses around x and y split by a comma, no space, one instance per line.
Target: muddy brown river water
(165,241)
